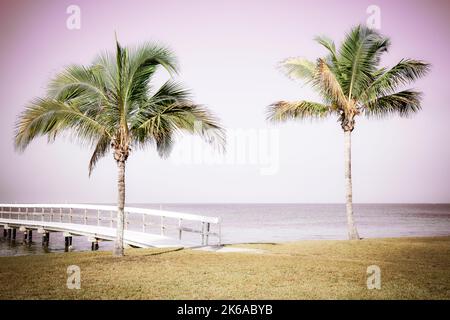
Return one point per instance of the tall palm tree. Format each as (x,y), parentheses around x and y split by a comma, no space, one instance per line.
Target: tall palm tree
(111,105)
(351,83)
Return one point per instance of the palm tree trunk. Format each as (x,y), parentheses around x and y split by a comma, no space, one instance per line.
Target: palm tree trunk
(352,232)
(118,246)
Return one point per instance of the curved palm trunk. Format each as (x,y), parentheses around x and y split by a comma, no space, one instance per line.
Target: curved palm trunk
(352,232)
(118,246)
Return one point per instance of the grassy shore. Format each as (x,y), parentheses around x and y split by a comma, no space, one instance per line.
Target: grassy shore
(411,268)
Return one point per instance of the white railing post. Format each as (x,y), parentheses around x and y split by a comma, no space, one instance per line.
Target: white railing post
(203,233)
(70,215)
(111,218)
(42,214)
(85,216)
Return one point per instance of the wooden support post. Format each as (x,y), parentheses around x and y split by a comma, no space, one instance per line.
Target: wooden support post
(94,245)
(26,213)
(67,243)
(30,235)
(9,233)
(42,214)
(45,239)
(14,233)
(111,219)
(5,233)
(180,228)
(85,216)
(220,233)
(60,215)
(203,233)
(208,226)
(70,215)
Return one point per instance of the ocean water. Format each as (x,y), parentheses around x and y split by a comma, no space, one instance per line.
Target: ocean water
(255,223)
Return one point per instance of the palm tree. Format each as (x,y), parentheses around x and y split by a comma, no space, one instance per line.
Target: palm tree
(351,83)
(110,105)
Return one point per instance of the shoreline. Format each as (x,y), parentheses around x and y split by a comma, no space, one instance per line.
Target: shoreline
(216,248)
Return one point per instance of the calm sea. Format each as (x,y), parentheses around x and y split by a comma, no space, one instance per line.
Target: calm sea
(252,223)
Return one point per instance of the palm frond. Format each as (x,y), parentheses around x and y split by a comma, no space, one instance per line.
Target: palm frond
(51,117)
(163,122)
(327,84)
(330,46)
(298,68)
(169,93)
(284,110)
(101,149)
(403,103)
(75,81)
(359,56)
(144,61)
(403,73)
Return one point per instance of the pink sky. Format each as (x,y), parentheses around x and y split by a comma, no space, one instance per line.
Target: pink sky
(228,52)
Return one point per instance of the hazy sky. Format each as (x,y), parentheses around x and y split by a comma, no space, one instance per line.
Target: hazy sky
(228,52)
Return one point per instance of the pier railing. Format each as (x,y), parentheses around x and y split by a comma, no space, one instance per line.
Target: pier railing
(136,219)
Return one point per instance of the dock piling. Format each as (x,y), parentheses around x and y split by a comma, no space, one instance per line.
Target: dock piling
(94,245)
(46,239)
(67,243)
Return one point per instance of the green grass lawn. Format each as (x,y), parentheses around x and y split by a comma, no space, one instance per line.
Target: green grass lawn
(411,268)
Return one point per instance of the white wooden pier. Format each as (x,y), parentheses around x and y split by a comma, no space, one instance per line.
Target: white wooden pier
(143,227)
